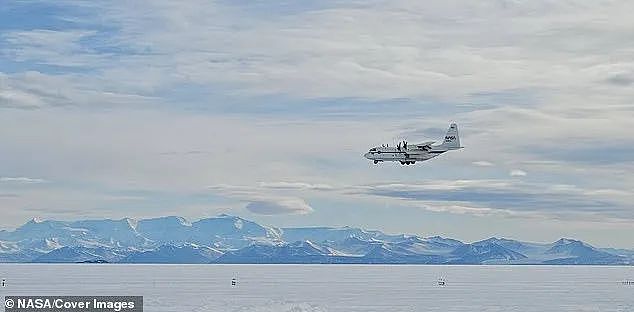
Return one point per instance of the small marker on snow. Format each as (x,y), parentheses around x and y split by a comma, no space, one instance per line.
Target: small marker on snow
(441,282)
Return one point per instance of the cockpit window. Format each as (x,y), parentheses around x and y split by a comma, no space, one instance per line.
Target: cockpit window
(373,149)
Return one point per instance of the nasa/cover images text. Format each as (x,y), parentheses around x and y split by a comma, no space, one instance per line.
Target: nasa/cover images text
(73,303)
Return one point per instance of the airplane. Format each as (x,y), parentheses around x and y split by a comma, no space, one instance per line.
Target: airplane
(409,154)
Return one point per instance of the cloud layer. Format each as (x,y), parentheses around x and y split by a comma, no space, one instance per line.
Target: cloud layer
(144,105)
(261,202)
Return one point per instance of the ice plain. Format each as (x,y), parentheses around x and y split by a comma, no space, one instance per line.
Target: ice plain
(332,287)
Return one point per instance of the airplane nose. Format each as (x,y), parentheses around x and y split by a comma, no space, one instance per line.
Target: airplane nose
(366,155)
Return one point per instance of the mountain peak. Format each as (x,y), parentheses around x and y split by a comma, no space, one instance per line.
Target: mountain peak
(131,222)
(173,220)
(444,240)
(411,239)
(227,216)
(494,240)
(39,224)
(35,222)
(565,241)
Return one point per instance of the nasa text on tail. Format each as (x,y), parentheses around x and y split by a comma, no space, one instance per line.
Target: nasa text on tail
(408,154)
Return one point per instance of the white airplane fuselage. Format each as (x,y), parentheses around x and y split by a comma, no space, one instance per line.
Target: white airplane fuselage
(408,154)
(412,155)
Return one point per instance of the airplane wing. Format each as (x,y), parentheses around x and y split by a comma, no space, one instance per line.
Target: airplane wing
(424,145)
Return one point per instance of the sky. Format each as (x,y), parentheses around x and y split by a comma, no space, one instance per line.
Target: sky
(263,109)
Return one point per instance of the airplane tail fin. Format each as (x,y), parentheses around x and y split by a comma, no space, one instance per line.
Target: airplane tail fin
(452,140)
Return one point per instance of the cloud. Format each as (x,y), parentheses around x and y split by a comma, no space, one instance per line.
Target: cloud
(508,198)
(296,186)
(459,208)
(340,51)
(621,79)
(482,163)
(494,197)
(65,48)
(33,90)
(279,206)
(21,180)
(517,173)
(599,153)
(261,201)
(12,98)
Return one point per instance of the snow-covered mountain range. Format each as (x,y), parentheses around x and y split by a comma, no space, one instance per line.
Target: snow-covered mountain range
(230,239)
